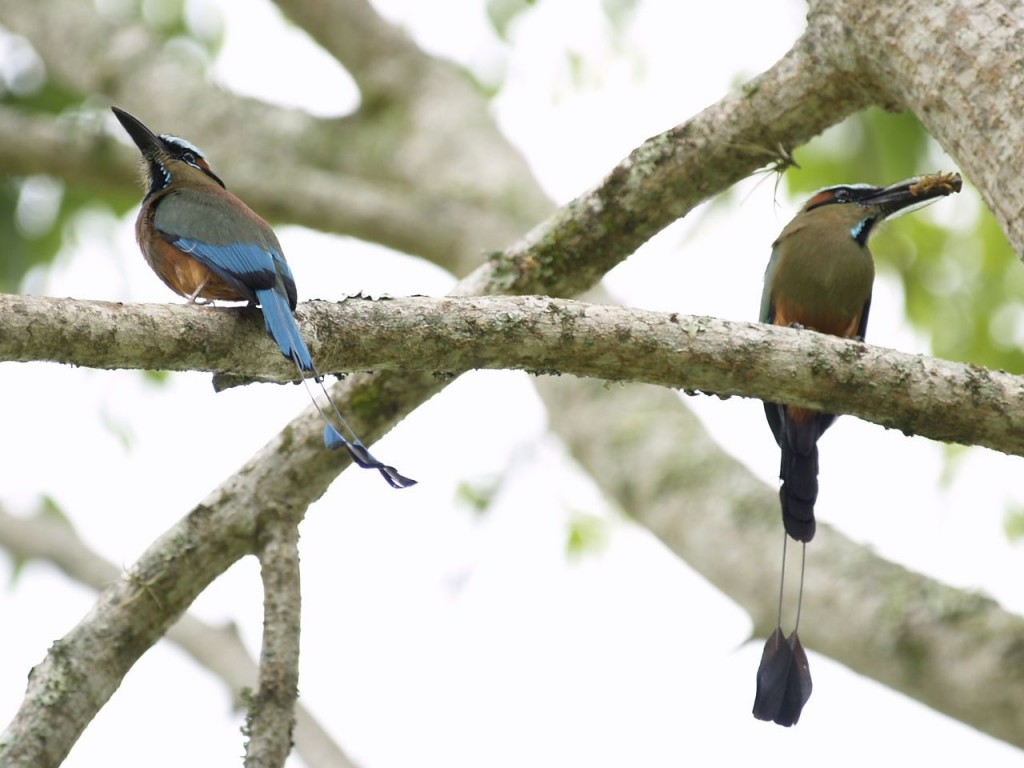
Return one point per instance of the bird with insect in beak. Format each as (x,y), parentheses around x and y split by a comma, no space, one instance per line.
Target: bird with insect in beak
(819,277)
(205,243)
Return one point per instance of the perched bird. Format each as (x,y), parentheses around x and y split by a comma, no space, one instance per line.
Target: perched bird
(819,277)
(205,243)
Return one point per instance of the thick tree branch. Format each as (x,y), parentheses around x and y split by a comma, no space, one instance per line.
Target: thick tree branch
(386,212)
(671,173)
(914,394)
(425,101)
(957,652)
(378,55)
(391,176)
(958,66)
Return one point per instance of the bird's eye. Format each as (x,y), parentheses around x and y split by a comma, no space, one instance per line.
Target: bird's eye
(189,158)
(841,195)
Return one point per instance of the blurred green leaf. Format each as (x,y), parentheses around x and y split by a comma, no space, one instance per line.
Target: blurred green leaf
(478,494)
(871,147)
(501,14)
(1013,523)
(50,98)
(28,248)
(24,85)
(587,534)
(119,427)
(172,19)
(50,509)
(619,12)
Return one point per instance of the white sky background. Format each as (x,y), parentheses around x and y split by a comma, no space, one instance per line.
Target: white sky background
(432,637)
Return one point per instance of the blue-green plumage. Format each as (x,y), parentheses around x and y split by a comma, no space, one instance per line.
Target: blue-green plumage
(205,243)
(242,251)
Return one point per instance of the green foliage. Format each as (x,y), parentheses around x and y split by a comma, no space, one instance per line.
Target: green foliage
(619,12)
(478,495)
(15,261)
(873,147)
(1013,523)
(501,14)
(587,534)
(24,85)
(169,19)
(30,239)
(29,245)
(48,508)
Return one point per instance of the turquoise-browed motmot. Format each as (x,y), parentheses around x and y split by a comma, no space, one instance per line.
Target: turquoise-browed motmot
(819,277)
(205,243)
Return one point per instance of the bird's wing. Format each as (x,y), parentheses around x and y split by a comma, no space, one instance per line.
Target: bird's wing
(767,314)
(220,232)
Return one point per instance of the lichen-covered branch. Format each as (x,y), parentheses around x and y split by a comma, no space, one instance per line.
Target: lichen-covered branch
(957,65)
(915,394)
(271,718)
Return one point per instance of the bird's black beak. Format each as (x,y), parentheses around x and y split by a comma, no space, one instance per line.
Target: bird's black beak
(148,143)
(912,192)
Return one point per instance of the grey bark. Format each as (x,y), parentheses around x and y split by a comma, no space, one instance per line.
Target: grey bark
(915,394)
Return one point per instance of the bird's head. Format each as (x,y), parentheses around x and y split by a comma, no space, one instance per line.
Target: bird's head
(857,208)
(167,160)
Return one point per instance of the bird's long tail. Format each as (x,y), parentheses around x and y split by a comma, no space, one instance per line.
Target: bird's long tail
(784,675)
(799,473)
(281,326)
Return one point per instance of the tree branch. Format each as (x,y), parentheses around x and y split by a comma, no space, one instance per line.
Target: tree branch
(83,669)
(912,393)
(271,716)
(379,56)
(388,176)
(957,652)
(669,174)
(381,211)
(217,649)
(951,65)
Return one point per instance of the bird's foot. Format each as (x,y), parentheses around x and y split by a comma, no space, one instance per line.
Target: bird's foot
(194,298)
